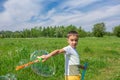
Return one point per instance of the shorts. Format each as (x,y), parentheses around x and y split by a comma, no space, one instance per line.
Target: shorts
(76,77)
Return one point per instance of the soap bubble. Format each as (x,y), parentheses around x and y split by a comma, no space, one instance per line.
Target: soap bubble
(46,68)
(3,78)
(9,76)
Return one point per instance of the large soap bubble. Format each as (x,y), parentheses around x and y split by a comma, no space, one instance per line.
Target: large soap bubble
(9,76)
(3,78)
(46,68)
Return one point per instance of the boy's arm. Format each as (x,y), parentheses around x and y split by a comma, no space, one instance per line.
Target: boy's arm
(53,53)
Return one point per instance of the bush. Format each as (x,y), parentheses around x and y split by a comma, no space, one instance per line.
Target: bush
(116,31)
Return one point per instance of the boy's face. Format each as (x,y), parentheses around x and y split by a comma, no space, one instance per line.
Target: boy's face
(73,40)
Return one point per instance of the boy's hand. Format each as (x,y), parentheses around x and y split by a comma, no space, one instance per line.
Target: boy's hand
(83,67)
(44,57)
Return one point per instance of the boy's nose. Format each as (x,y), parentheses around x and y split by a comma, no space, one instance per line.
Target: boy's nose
(74,42)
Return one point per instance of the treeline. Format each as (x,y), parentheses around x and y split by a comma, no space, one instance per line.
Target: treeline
(98,30)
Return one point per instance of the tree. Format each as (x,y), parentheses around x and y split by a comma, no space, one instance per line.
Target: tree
(59,31)
(17,34)
(26,33)
(6,34)
(34,32)
(116,31)
(81,32)
(99,30)
(70,27)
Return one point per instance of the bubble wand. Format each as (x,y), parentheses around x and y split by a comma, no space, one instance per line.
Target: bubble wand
(28,64)
(84,71)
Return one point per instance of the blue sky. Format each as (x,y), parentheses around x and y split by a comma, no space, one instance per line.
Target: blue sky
(19,15)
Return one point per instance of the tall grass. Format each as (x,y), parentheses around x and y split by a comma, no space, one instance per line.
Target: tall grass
(102,55)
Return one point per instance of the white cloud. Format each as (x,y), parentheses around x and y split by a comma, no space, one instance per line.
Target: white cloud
(18,14)
(90,18)
(72,4)
(22,11)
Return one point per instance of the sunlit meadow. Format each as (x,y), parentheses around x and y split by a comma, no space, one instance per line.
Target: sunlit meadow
(102,55)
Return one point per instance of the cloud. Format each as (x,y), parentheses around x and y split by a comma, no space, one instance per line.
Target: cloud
(76,4)
(29,13)
(17,12)
(79,18)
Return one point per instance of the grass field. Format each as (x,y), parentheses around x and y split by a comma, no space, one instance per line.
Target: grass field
(102,55)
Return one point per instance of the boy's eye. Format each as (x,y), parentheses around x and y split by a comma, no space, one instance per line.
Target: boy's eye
(74,40)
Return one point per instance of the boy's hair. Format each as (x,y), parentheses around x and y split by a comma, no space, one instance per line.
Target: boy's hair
(72,33)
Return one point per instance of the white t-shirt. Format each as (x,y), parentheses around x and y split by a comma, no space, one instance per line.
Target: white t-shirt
(71,59)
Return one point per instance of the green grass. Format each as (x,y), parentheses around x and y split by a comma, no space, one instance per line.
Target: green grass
(102,55)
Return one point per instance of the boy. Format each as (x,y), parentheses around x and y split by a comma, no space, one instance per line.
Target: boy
(72,62)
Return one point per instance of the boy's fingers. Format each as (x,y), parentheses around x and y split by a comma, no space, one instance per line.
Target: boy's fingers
(38,57)
(43,56)
(44,60)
